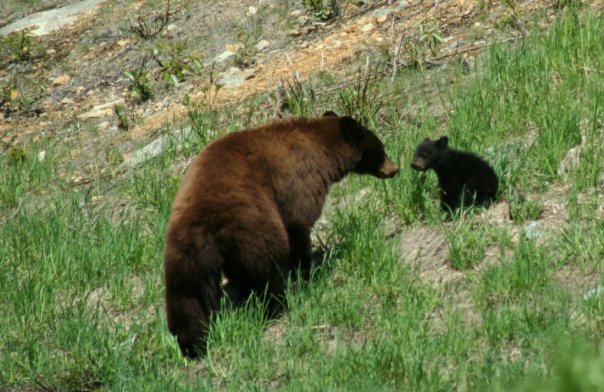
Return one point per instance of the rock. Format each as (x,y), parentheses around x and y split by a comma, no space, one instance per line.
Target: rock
(103,126)
(532,230)
(234,77)
(61,80)
(571,161)
(261,45)
(222,56)
(67,101)
(251,11)
(368,27)
(304,44)
(351,28)
(41,156)
(593,294)
(100,111)
(302,20)
(42,23)
(295,33)
(155,148)
(381,19)
(233,47)
(123,42)
(381,13)
(296,13)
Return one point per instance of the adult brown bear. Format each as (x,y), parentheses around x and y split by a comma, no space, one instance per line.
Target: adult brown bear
(245,209)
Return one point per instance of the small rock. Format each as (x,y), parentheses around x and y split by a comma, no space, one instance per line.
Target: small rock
(296,13)
(351,28)
(304,44)
(251,11)
(261,45)
(381,19)
(223,56)
(100,111)
(302,20)
(381,13)
(593,293)
(570,161)
(41,156)
(234,77)
(102,127)
(67,101)
(61,80)
(533,230)
(234,47)
(295,33)
(123,42)
(155,148)
(368,27)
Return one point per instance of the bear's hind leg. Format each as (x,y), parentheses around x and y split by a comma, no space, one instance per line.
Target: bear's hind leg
(190,306)
(300,249)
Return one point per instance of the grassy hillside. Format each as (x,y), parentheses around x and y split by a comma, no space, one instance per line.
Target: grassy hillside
(81,292)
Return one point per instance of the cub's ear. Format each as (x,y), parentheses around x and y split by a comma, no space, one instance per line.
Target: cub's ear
(443,142)
(350,128)
(330,113)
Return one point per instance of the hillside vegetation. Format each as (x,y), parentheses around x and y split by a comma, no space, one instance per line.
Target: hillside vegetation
(510,298)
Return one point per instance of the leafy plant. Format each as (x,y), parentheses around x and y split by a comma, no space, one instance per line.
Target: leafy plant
(20,47)
(140,86)
(123,120)
(20,94)
(323,11)
(174,63)
(430,35)
(148,26)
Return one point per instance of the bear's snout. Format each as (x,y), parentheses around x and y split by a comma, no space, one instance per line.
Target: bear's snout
(418,164)
(388,169)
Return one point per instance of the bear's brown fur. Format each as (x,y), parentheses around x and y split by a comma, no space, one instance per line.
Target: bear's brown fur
(245,208)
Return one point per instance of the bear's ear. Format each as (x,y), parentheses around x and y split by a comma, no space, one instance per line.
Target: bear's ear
(351,129)
(330,113)
(443,142)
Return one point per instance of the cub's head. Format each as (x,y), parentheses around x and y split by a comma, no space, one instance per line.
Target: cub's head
(374,160)
(428,153)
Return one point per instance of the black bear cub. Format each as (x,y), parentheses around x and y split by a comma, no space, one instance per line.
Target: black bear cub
(464,178)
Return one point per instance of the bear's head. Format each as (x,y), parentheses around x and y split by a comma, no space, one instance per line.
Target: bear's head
(428,153)
(374,160)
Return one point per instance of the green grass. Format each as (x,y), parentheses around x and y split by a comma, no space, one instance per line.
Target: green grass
(81,291)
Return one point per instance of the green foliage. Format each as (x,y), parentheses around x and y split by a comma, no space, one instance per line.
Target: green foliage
(20,47)
(323,10)
(362,101)
(20,93)
(140,85)
(466,243)
(175,64)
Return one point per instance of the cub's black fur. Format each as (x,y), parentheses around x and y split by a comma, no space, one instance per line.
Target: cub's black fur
(464,178)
